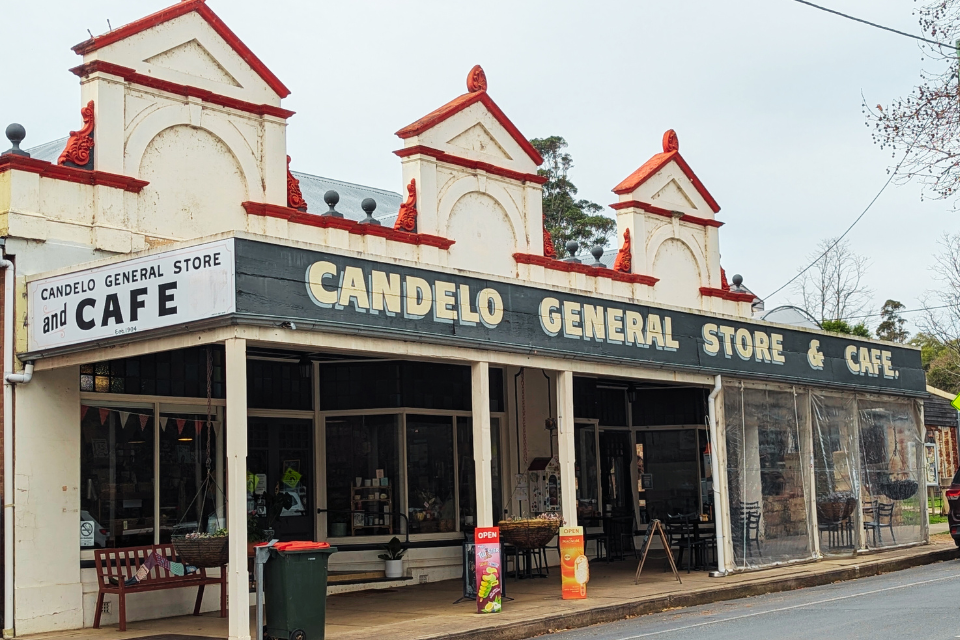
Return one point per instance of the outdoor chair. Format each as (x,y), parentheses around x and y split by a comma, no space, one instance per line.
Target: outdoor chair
(881,517)
(682,534)
(745,526)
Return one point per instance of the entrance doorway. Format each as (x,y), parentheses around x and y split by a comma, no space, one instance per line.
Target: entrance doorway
(280,468)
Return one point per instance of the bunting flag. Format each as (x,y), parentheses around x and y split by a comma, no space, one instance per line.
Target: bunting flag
(124,415)
(143,421)
(163,423)
(83,411)
(104,414)
(199,426)
(180,424)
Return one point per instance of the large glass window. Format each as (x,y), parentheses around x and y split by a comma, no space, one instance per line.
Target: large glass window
(116,475)
(669,479)
(586,465)
(278,385)
(431,498)
(836,472)
(188,501)
(181,373)
(466,471)
(363,474)
(616,459)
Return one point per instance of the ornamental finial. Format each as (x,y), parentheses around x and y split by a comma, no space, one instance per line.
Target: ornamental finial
(476,79)
(670,141)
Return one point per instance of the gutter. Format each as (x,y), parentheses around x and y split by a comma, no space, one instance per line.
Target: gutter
(715,472)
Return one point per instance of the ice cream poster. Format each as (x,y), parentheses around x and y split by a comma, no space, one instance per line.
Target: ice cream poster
(487,541)
(574,568)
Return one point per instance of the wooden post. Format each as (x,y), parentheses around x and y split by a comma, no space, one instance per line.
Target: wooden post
(567,448)
(238,580)
(482,451)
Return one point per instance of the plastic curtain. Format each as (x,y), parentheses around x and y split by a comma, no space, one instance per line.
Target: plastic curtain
(893,493)
(836,472)
(765,436)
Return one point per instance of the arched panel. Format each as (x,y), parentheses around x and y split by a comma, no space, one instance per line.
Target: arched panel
(485,237)
(196,185)
(676,267)
(471,183)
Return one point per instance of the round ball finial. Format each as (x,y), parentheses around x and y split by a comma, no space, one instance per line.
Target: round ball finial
(572,247)
(369,205)
(16,133)
(597,252)
(476,79)
(331,198)
(737,280)
(670,141)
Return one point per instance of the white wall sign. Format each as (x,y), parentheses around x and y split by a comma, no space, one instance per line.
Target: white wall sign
(160,290)
(86,533)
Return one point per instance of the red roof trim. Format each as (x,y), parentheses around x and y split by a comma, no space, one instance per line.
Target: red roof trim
(650,168)
(70,174)
(350,226)
(175,11)
(578,267)
(443,156)
(460,103)
(649,208)
(130,75)
(710,292)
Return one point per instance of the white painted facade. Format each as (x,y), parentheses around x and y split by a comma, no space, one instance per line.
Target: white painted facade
(202,159)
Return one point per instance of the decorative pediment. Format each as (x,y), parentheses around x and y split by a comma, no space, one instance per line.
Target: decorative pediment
(189,45)
(478,138)
(672,196)
(472,127)
(192,59)
(667,182)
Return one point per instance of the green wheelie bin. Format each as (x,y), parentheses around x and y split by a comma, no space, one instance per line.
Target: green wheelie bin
(295,585)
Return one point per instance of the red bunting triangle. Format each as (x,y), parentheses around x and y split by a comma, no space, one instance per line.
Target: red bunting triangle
(143,421)
(104,414)
(180,424)
(199,426)
(83,411)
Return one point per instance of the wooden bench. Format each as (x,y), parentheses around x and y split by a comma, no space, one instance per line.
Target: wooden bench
(114,566)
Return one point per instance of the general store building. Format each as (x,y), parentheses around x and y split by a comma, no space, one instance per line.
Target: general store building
(175,292)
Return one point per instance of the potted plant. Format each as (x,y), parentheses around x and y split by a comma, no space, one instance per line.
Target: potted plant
(393,558)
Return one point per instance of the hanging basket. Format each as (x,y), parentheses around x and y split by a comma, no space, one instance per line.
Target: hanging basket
(836,507)
(899,489)
(531,533)
(204,553)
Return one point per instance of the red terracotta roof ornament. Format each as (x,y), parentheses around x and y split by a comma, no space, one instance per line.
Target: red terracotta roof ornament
(723,280)
(549,251)
(294,195)
(407,217)
(476,79)
(670,141)
(80,144)
(623,263)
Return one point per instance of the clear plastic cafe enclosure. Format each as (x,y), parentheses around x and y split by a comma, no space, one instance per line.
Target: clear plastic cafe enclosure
(814,472)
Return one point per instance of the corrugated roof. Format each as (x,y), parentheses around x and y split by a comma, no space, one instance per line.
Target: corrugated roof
(938,412)
(313,187)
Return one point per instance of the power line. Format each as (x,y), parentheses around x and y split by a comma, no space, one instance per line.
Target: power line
(874,24)
(874,315)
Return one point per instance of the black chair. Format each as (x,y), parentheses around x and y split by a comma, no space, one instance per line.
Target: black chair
(879,512)
(745,526)
(682,534)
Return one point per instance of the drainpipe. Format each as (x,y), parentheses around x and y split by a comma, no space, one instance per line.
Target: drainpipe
(715,471)
(8,277)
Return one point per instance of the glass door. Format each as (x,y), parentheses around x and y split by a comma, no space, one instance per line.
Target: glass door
(616,458)
(280,476)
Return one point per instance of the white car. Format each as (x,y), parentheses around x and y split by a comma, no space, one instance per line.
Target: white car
(99,533)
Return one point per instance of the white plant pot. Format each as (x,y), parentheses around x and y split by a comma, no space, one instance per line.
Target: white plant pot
(393,568)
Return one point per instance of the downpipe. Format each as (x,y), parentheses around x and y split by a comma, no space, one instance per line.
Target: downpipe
(9,380)
(715,471)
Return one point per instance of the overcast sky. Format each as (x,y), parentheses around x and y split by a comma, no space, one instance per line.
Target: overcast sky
(765,96)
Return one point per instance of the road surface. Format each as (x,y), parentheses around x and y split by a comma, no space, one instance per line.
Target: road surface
(920,603)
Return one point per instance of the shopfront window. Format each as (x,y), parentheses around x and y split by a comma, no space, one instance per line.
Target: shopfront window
(669,478)
(189,502)
(836,472)
(180,373)
(431,496)
(466,472)
(585,435)
(116,474)
(363,475)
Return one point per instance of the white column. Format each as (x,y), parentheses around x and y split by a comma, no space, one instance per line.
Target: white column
(482,452)
(566,444)
(238,581)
